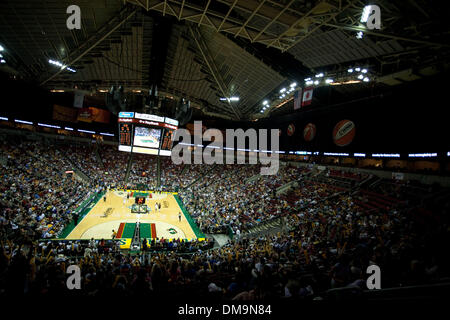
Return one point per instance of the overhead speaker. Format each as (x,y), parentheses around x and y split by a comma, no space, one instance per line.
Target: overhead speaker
(183,112)
(116,100)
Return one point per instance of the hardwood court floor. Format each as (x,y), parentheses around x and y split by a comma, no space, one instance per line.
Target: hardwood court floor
(107,215)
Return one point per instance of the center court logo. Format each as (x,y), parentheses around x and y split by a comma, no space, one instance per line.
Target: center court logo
(214,153)
(172,231)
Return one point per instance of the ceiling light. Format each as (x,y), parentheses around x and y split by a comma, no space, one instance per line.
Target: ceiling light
(320,75)
(282,90)
(2,61)
(293,85)
(316,82)
(364,70)
(329,81)
(265,102)
(358,69)
(350,70)
(360,77)
(366,79)
(1,48)
(56,63)
(359,35)
(308,79)
(308,83)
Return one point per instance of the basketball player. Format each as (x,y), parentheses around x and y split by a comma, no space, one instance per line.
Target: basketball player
(114,234)
(104,198)
(124,201)
(156,207)
(159,207)
(179,216)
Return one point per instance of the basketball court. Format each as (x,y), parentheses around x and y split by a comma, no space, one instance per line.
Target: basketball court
(121,215)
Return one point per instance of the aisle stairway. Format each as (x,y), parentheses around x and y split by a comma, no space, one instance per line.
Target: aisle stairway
(265,228)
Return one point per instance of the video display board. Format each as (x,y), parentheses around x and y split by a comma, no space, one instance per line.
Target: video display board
(146,133)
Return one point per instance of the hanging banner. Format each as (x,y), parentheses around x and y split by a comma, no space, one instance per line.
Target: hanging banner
(66,114)
(78,99)
(100,115)
(298,99)
(84,115)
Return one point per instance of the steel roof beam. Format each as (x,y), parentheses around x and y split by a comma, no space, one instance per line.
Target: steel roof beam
(386,35)
(212,66)
(105,31)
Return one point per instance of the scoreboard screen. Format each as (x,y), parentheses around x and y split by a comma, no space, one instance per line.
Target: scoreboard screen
(125,134)
(146,133)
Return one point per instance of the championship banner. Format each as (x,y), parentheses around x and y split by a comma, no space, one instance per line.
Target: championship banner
(307,96)
(66,114)
(78,98)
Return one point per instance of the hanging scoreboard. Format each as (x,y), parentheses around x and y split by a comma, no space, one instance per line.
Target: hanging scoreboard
(146,133)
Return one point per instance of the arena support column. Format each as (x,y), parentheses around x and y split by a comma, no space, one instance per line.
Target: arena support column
(158,172)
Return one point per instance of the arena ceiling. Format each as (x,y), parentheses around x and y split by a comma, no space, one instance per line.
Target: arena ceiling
(210,49)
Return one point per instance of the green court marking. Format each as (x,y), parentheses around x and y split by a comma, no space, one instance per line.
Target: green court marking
(145,230)
(81,213)
(189,219)
(128,230)
(140,194)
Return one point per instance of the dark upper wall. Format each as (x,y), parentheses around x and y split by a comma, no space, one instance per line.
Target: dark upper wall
(407,118)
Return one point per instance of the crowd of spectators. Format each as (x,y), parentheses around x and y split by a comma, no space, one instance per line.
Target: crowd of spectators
(328,240)
(37,197)
(236,197)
